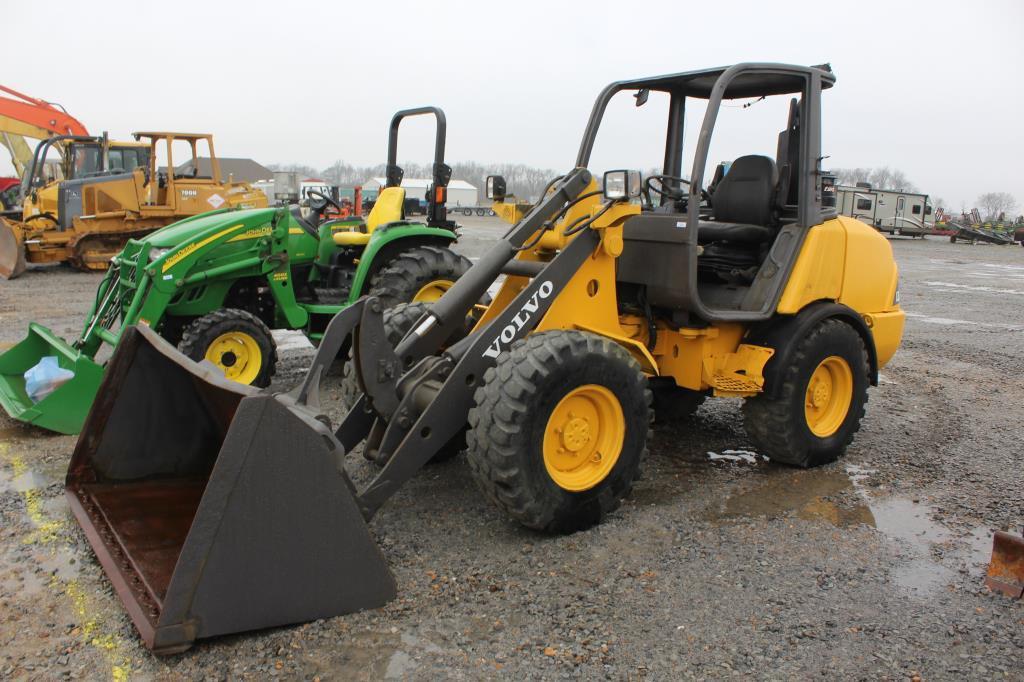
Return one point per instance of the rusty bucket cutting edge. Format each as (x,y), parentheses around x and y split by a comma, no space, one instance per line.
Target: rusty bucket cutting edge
(1006,570)
(12,252)
(214,508)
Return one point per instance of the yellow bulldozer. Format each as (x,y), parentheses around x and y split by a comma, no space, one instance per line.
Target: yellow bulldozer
(216,508)
(103,193)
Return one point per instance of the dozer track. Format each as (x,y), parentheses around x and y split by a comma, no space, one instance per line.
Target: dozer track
(92,251)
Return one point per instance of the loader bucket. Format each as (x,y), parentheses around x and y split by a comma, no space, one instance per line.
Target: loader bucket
(1006,570)
(212,507)
(12,252)
(65,409)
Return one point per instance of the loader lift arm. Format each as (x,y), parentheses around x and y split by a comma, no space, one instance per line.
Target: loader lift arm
(406,436)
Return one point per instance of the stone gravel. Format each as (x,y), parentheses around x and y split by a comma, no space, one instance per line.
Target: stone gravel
(719,566)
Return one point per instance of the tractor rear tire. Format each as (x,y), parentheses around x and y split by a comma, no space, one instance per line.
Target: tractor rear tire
(238,342)
(421,274)
(397,323)
(673,403)
(554,397)
(820,403)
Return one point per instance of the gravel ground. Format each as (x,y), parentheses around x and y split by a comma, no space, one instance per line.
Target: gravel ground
(720,565)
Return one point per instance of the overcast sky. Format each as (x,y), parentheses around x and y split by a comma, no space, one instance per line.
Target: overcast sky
(931,88)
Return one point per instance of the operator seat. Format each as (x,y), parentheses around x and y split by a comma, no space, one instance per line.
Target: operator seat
(743,203)
(389,208)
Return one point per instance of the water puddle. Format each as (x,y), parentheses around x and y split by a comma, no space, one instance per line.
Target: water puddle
(379,655)
(932,553)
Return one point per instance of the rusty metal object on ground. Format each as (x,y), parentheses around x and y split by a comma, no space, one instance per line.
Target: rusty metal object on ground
(1006,570)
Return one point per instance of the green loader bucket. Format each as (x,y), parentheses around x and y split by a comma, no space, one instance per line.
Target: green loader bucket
(213,507)
(65,409)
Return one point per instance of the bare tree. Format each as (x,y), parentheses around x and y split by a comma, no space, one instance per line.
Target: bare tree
(299,168)
(879,178)
(899,182)
(995,204)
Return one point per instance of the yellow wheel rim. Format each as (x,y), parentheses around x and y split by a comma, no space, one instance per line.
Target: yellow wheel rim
(432,291)
(828,397)
(238,355)
(583,437)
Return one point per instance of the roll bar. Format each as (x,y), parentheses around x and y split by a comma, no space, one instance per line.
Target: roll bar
(441,173)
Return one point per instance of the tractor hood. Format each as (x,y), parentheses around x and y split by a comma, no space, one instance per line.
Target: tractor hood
(186,230)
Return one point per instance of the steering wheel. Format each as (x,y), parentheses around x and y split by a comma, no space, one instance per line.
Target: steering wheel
(323,201)
(669,192)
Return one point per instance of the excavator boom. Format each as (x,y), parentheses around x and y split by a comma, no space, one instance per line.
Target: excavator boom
(22,116)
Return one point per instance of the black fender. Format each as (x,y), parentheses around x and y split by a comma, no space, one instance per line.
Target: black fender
(781,331)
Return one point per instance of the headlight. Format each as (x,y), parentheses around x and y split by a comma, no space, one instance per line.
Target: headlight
(621,184)
(158,253)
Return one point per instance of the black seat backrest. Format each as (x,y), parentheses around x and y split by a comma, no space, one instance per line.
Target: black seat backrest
(747,192)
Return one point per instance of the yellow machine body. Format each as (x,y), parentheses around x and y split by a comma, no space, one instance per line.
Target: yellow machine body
(716,358)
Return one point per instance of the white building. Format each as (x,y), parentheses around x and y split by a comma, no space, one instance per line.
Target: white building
(460,192)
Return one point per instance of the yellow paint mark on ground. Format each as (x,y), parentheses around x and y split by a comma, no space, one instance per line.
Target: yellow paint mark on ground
(46,532)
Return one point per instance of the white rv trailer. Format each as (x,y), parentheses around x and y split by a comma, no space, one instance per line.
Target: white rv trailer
(888,210)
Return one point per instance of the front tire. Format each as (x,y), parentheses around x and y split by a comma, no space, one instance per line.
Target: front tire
(237,342)
(559,431)
(421,274)
(820,403)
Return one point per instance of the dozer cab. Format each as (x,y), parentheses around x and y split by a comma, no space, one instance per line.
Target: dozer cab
(108,192)
(216,284)
(215,509)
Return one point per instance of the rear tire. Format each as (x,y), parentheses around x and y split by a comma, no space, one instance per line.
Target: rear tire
(236,341)
(419,274)
(523,440)
(820,403)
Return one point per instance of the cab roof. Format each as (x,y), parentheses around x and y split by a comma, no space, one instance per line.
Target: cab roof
(180,136)
(756,79)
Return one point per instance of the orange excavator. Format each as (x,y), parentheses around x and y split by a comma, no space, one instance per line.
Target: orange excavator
(22,116)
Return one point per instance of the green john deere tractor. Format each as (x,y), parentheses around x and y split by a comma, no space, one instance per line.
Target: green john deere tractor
(217,283)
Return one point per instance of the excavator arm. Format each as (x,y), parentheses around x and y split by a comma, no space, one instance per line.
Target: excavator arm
(22,116)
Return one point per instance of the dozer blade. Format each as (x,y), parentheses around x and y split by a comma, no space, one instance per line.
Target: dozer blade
(1006,570)
(12,251)
(214,508)
(65,409)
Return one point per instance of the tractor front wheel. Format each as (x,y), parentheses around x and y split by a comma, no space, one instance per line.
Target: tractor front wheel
(419,275)
(818,407)
(559,430)
(237,342)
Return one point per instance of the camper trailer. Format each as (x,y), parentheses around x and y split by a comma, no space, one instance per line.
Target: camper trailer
(898,213)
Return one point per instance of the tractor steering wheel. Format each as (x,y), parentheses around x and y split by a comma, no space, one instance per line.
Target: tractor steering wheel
(323,202)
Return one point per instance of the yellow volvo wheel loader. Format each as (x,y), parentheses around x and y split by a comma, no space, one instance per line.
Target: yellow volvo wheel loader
(215,508)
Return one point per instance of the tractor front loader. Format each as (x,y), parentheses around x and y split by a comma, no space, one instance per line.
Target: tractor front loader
(608,298)
(217,283)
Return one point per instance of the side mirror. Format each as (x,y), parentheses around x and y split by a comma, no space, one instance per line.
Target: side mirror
(495,188)
(621,185)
